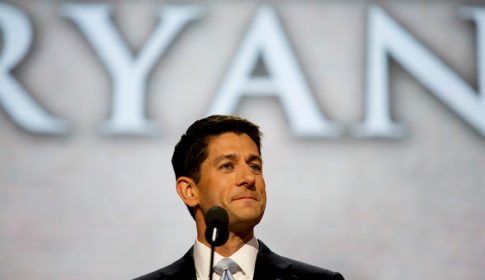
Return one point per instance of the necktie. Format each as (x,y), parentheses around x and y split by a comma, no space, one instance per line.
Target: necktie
(225,268)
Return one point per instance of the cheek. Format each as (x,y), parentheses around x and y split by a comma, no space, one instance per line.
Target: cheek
(218,192)
(262,184)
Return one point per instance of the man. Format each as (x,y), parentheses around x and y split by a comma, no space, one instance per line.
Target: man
(217,162)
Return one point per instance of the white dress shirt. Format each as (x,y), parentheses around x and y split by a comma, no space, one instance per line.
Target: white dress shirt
(245,257)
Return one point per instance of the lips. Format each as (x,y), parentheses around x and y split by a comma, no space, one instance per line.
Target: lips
(245,196)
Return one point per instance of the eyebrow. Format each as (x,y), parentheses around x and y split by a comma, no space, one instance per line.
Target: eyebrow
(251,158)
(222,157)
(254,158)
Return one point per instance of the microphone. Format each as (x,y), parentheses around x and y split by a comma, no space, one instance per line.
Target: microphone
(216,220)
(216,233)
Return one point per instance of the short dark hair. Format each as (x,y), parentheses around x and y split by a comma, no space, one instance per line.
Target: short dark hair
(191,150)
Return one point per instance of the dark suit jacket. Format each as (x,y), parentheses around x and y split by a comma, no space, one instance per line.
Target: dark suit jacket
(269,266)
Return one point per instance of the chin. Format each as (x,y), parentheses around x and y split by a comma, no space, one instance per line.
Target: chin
(244,222)
(242,229)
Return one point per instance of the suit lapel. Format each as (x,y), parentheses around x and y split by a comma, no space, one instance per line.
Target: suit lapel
(270,266)
(184,269)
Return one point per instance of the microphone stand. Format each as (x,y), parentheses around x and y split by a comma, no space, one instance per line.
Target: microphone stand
(212,262)
(213,248)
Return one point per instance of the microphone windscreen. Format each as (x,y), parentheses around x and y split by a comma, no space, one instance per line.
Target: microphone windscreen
(216,218)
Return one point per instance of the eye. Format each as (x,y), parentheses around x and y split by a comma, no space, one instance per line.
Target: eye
(227,166)
(256,167)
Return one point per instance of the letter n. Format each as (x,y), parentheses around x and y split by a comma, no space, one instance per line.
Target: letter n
(387,39)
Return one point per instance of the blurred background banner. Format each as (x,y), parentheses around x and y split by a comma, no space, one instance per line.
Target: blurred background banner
(373,116)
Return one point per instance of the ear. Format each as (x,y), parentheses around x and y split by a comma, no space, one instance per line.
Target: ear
(186,189)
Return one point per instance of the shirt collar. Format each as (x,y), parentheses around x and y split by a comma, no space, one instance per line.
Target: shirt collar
(245,257)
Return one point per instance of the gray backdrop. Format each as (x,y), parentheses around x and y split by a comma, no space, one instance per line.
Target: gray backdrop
(86,205)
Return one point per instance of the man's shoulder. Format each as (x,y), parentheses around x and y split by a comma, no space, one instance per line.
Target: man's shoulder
(285,267)
(181,269)
(303,270)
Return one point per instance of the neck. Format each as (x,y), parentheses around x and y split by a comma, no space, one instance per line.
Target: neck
(234,242)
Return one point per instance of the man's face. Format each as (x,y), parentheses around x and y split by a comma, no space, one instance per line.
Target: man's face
(232,177)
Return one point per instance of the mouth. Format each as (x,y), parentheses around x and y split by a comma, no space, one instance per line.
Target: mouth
(245,197)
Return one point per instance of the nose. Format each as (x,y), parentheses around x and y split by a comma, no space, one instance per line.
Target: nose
(246,177)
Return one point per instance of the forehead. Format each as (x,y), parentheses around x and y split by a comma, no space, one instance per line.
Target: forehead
(231,142)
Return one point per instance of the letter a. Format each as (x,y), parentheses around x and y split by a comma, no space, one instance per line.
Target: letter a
(266,39)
